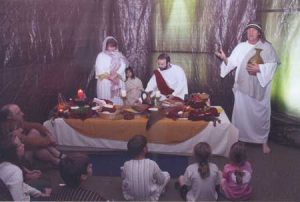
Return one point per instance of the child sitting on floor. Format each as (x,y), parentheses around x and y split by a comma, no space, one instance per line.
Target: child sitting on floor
(200,179)
(11,151)
(74,170)
(142,178)
(235,183)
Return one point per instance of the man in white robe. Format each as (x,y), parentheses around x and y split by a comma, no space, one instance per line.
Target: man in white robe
(169,79)
(110,71)
(252,87)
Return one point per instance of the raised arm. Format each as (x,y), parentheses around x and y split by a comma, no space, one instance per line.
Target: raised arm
(229,63)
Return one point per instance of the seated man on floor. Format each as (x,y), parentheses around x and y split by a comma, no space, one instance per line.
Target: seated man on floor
(35,136)
(169,79)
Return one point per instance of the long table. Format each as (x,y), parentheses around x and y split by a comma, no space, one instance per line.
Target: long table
(220,137)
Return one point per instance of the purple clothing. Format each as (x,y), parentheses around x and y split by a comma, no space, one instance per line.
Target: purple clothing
(231,189)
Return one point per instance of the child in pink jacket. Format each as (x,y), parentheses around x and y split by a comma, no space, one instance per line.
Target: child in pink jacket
(235,182)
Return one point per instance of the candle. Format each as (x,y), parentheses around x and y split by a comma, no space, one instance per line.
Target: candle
(80,94)
(123,93)
(157,94)
(60,110)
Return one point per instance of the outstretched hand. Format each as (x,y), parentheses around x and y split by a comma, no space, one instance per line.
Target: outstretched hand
(221,55)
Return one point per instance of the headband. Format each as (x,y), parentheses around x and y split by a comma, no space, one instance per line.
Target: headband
(253,25)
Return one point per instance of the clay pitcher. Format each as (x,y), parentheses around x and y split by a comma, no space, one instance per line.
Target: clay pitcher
(256,59)
(146,98)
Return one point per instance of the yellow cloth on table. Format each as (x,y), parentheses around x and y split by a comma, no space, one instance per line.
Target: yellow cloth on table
(165,131)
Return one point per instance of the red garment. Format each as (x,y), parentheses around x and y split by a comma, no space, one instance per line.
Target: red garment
(161,84)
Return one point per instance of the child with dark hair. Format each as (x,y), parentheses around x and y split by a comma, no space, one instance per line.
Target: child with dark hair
(74,169)
(142,178)
(201,178)
(11,151)
(14,128)
(235,182)
(133,86)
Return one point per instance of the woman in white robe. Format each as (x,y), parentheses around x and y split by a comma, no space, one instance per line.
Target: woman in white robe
(133,86)
(252,86)
(110,71)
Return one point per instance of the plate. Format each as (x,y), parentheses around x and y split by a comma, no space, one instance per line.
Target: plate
(96,108)
(110,116)
(153,109)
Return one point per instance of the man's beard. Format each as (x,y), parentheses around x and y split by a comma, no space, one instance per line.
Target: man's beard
(164,68)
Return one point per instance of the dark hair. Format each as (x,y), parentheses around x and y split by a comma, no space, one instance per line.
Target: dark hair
(72,167)
(136,145)
(261,34)
(238,157)
(237,154)
(111,42)
(202,153)
(9,126)
(4,113)
(131,70)
(164,56)
(8,149)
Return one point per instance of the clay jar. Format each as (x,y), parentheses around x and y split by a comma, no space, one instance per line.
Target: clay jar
(256,59)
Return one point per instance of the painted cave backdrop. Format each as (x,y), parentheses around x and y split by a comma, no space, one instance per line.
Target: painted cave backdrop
(50,46)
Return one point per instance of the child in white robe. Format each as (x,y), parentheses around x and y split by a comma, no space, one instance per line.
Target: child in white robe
(142,178)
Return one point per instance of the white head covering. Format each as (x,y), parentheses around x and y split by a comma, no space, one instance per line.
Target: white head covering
(116,58)
(116,53)
(256,26)
(105,42)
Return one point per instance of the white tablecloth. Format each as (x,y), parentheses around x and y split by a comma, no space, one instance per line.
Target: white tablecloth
(220,138)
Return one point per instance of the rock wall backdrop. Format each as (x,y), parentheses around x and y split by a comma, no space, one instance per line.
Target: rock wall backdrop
(50,46)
